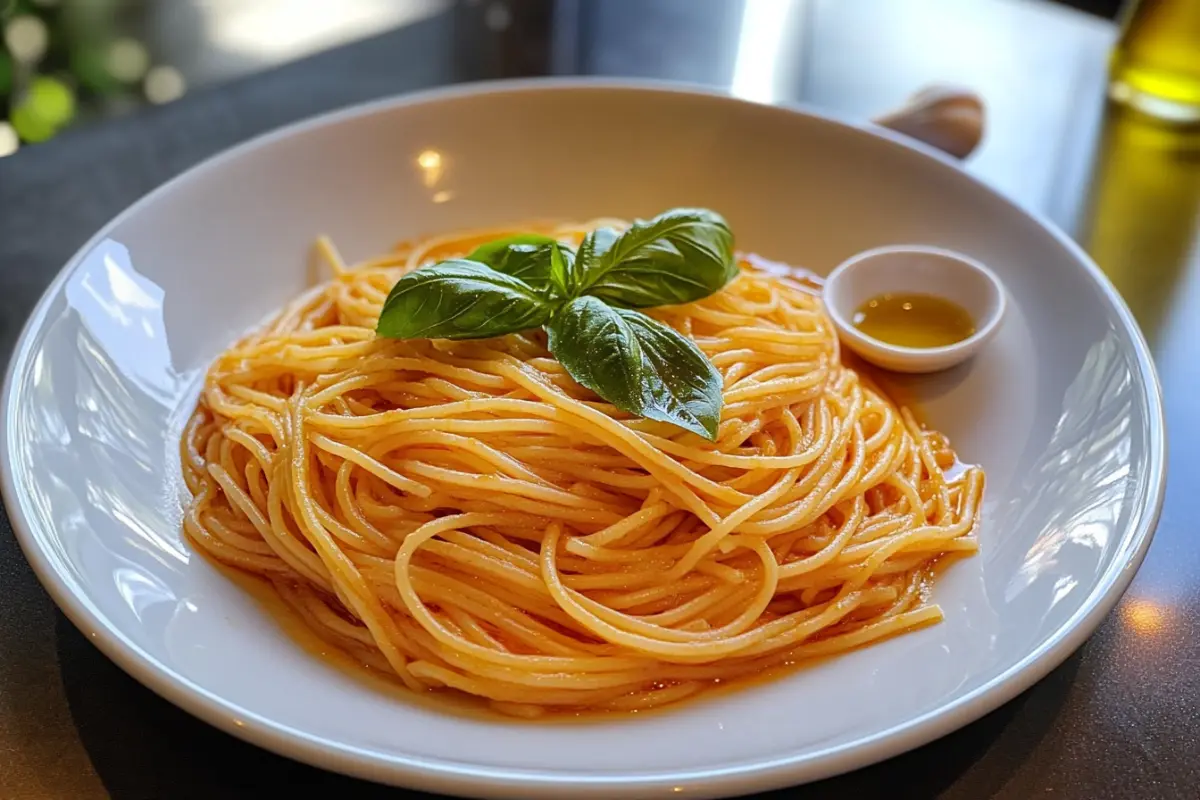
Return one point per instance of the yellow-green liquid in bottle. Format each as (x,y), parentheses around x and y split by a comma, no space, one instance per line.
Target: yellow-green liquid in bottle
(1156,63)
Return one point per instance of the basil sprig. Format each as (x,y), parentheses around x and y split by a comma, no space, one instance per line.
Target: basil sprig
(586,301)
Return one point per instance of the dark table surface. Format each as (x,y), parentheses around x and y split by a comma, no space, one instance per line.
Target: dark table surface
(1120,719)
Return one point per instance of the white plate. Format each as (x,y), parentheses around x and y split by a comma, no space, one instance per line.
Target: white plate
(1062,409)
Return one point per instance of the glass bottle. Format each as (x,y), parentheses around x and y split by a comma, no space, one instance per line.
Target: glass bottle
(1156,64)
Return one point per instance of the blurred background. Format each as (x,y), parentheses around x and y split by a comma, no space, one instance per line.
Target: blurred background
(64,63)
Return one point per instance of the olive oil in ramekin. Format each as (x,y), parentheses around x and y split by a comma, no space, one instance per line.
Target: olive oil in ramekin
(914,320)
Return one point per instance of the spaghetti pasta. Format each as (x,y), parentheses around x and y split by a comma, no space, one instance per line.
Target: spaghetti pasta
(465,516)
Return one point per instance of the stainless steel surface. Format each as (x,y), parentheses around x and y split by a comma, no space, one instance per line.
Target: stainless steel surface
(1121,719)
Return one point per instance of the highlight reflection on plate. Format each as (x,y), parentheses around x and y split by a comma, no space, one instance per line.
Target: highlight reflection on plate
(1062,409)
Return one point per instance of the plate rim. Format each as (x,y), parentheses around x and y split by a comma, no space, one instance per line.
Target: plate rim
(461,778)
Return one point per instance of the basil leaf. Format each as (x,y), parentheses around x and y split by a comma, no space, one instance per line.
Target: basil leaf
(539,261)
(679,256)
(562,265)
(587,262)
(491,252)
(460,299)
(639,365)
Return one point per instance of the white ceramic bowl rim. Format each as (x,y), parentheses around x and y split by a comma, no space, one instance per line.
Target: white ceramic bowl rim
(460,777)
(983,331)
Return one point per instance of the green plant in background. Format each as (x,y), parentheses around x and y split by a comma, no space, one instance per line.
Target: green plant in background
(48,105)
(66,60)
